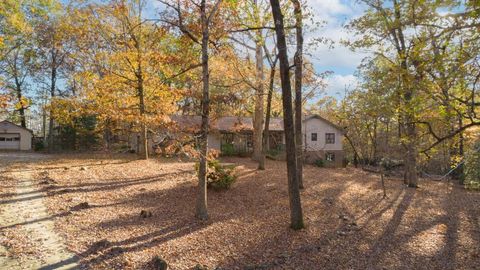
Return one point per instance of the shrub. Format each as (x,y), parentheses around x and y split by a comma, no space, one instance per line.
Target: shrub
(472,168)
(219,177)
(320,163)
(228,149)
(39,146)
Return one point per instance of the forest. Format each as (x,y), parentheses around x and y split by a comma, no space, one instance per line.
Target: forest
(92,76)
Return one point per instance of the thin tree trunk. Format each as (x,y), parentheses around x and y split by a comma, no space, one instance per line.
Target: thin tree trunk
(140,88)
(21,110)
(382,175)
(296,215)
(298,90)
(374,141)
(18,90)
(53,79)
(201,207)
(259,99)
(461,152)
(144,130)
(355,152)
(266,130)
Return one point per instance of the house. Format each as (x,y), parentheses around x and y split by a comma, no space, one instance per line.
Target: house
(232,135)
(14,137)
(322,140)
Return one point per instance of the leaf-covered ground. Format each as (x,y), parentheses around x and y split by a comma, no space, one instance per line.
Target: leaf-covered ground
(349,224)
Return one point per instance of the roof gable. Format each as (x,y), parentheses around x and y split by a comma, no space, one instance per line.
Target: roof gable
(316,116)
(6,122)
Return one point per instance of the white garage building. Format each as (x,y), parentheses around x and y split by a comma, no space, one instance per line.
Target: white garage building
(14,137)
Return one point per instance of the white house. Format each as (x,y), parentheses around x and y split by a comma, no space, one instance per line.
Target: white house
(14,137)
(234,135)
(322,140)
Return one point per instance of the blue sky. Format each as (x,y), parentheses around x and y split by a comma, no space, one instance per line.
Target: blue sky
(340,59)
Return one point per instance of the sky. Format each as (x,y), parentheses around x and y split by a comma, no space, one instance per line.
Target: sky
(339,59)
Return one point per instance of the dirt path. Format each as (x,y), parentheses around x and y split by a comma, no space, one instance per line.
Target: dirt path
(27,235)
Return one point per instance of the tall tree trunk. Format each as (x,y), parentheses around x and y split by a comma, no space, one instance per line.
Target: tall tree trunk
(21,110)
(18,90)
(459,172)
(296,215)
(374,141)
(411,177)
(355,152)
(144,130)
(411,155)
(259,100)
(298,90)
(266,130)
(53,80)
(140,88)
(201,207)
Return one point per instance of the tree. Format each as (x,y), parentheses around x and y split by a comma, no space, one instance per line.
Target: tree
(385,24)
(17,68)
(296,215)
(51,38)
(251,19)
(426,59)
(17,49)
(207,12)
(298,61)
(127,68)
(266,130)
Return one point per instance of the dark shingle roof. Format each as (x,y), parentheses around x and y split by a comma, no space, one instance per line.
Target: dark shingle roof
(234,123)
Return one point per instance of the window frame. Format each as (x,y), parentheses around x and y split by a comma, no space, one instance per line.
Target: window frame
(329,138)
(312,136)
(330,157)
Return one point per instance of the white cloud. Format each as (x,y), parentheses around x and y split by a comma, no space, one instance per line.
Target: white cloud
(339,56)
(329,10)
(339,59)
(336,14)
(336,84)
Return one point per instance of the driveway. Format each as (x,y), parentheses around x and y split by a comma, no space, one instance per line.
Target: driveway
(27,236)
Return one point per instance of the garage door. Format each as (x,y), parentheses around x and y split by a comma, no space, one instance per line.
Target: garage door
(9,141)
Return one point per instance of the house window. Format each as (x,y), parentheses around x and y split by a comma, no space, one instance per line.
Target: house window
(330,157)
(227,138)
(314,137)
(329,138)
(16,139)
(2,139)
(249,138)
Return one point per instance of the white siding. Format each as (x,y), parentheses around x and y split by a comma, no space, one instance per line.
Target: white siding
(315,125)
(214,141)
(25,136)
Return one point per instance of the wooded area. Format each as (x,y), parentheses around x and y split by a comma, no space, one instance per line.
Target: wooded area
(94,76)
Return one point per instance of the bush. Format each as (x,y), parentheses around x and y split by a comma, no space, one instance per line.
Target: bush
(39,146)
(228,149)
(472,168)
(320,163)
(219,177)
